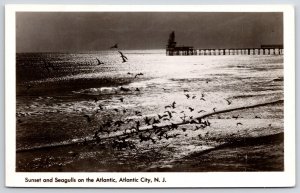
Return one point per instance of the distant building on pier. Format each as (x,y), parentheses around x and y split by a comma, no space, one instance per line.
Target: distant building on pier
(173,50)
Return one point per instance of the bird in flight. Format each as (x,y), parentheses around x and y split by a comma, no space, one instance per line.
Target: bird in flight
(99,62)
(191,109)
(139,74)
(114,46)
(124,58)
(228,101)
(202,99)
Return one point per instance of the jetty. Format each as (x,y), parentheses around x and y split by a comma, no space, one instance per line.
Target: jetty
(173,50)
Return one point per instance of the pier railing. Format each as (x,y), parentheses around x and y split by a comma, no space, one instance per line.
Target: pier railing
(227,51)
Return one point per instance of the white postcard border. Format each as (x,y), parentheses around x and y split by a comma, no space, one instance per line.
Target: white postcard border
(173,179)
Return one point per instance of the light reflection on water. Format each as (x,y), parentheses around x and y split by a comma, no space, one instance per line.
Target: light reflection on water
(163,81)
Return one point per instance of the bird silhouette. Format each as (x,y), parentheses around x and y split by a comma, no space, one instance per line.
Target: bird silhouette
(100,107)
(187,96)
(147,120)
(214,109)
(235,117)
(124,89)
(185,90)
(228,101)
(138,113)
(173,105)
(191,109)
(121,99)
(161,116)
(99,62)
(114,46)
(137,89)
(237,124)
(169,113)
(124,58)
(167,106)
(201,111)
(155,121)
(183,129)
(138,74)
(257,117)
(194,97)
(202,99)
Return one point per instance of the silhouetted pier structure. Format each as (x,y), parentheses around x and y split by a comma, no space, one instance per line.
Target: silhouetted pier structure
(173,50)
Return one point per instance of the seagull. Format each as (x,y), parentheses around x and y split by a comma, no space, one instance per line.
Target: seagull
(137,89)
(124,89)
(235,117)
(138,113)
(237,124)
(99,62)
(191,109)
(139,74)
(202,99)
(214,109)
(257,117)
(168,106)
(147,120)
(201,111)
(185,90)
(184,129)
(160,117)
(173,105)
(194,97)
(187,96)
(100,107)
(169,113)
(114,46)
(228,101)
(124,58)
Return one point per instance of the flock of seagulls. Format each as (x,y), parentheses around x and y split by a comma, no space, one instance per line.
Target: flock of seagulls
(157,132)
(160,124)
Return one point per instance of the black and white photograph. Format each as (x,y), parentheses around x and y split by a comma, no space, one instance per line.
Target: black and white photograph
(167,91)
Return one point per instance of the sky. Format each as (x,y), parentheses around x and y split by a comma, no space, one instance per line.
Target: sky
(93,31)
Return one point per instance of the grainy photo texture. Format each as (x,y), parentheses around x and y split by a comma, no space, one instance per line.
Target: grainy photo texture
(149,92)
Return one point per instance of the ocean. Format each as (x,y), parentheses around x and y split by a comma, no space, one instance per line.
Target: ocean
(73,113)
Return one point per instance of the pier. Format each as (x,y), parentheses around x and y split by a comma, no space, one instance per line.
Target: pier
(173,50)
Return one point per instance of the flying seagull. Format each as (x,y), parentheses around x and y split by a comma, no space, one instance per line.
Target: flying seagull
(99,62)
(124,58)
(114,46)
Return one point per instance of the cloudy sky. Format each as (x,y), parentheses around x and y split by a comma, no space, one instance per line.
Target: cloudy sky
(60,32)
